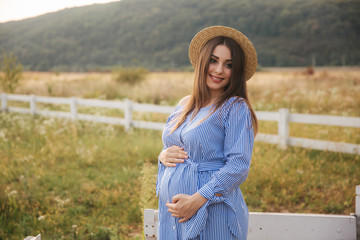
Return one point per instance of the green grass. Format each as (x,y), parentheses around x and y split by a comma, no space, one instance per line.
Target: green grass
(301,180)
(57,174)
(84,180)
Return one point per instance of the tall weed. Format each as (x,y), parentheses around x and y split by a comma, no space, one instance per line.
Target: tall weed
(130,76)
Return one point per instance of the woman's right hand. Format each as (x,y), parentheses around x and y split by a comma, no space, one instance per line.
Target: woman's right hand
(172,155)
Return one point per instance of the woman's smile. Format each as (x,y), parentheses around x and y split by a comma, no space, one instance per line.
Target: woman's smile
(216,79)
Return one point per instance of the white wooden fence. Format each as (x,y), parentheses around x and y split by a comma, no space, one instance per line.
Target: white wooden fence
(285,226)
(282,117)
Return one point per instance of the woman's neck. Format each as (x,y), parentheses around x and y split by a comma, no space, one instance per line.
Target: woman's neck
(214,98)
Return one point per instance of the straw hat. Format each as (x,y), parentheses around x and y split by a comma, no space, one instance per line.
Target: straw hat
(202,37)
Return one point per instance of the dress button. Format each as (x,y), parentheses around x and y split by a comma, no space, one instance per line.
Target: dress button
(174,227)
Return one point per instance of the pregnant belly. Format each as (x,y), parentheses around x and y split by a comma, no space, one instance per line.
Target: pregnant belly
(176,180)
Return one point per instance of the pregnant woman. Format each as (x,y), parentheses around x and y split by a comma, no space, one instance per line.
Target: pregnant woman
(208,142)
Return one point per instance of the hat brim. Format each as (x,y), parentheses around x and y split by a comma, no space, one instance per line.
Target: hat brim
(202,37)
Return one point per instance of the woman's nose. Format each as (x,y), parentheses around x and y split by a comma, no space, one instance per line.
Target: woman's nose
(218,68)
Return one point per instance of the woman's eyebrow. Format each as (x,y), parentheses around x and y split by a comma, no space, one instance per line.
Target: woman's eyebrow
(227,60)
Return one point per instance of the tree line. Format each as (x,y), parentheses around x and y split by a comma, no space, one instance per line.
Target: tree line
(156,34)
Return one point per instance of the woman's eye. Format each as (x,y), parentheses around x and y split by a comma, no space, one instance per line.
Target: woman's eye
(212,60)
(228,65)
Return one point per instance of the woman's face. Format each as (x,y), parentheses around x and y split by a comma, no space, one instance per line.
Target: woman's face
(219,73)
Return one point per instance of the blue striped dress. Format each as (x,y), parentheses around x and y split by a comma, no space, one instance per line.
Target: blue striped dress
(219,146)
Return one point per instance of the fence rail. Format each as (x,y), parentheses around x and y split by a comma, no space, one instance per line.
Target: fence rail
(282,117)
(284,226)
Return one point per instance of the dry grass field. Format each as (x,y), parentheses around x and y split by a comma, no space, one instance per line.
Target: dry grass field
(82,180)
(328,91)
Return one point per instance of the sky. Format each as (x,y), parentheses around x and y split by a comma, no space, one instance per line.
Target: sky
(21,9)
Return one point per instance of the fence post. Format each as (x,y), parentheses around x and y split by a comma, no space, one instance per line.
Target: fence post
(32,104)
(283,127)
(3,102)
(128,114)
(357,211)
(73,108)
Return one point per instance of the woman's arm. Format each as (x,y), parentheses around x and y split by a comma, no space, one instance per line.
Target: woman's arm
(238,145)
(174,154)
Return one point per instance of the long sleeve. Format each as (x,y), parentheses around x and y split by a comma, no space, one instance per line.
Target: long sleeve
(238,145)
(161,167)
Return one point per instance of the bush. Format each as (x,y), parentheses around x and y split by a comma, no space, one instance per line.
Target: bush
(11,73)
(131,76)
(309,70)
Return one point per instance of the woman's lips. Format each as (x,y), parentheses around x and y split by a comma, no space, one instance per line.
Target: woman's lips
(216,79)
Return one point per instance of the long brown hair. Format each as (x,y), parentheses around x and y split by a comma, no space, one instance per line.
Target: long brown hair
(200,96)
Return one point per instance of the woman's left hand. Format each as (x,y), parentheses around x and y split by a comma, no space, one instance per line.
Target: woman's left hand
(185,206)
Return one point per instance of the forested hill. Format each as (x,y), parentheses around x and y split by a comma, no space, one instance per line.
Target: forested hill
(156,33)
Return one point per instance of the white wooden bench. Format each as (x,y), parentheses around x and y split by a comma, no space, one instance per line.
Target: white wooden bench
(284,226)
(38,237)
